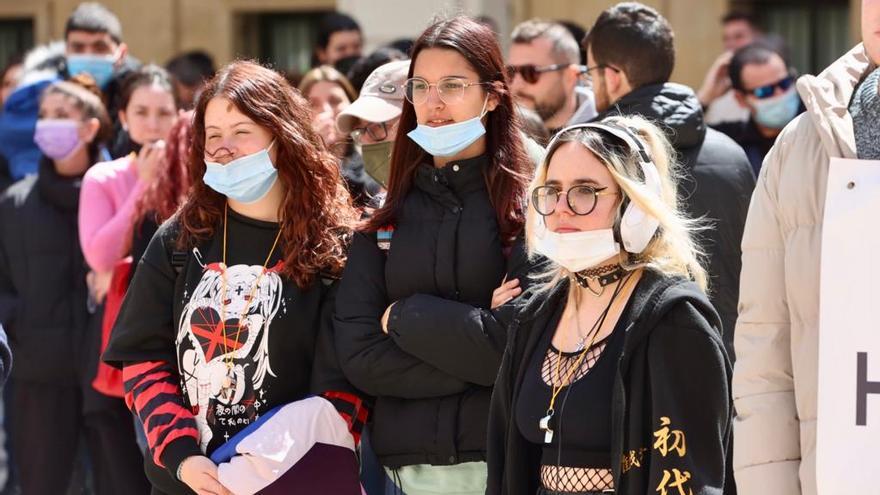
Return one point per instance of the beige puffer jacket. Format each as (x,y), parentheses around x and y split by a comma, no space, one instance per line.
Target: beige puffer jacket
(777,334)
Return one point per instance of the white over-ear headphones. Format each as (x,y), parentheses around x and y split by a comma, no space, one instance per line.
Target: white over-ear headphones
(637,227)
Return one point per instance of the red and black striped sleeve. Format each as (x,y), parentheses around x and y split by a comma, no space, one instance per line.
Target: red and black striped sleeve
(152,392)
(352,409)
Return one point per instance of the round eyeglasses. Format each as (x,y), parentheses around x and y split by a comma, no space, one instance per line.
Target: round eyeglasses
(581,199)
(378,131)
(450,89)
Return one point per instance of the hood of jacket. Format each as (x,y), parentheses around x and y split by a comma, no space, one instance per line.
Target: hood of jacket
(655,295)
(674,107)
(827,96)
(20,110)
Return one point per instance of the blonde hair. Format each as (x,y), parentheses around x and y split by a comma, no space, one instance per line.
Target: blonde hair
(326,73)
(673,249)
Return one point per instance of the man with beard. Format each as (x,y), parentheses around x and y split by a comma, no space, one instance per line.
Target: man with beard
(630,57)
(545,75)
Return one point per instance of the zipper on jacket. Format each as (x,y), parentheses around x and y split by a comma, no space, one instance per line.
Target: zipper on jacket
(618,409)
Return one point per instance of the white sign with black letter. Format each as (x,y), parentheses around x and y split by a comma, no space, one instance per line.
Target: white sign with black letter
(849,331)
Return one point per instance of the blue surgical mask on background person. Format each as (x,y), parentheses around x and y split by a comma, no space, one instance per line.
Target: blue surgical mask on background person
(778,111)
(449,140)
(246,179)
(100,67)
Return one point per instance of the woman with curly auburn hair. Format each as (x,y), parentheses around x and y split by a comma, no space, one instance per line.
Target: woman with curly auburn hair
(228,316)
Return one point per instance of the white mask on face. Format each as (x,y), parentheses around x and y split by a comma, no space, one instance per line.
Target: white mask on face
(637,227)
(577,251)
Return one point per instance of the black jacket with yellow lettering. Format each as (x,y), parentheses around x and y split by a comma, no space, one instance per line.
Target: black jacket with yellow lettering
(671,405)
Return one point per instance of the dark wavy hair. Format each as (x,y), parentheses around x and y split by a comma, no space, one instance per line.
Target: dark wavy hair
(506,176)
(146,75)
(316,214)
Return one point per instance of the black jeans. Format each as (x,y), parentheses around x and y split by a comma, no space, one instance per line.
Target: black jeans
(48,424)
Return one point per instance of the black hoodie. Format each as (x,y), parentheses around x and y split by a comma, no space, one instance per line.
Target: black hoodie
(716,184)
(673,365)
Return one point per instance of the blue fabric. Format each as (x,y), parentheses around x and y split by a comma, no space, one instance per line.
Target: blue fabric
(17,122)
(372,473)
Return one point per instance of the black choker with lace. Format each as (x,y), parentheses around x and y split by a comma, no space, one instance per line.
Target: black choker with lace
(604,275)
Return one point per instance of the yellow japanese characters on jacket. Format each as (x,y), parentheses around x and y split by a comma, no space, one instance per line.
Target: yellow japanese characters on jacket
(670,442)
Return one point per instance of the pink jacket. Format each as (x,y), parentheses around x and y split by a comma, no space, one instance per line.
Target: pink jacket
(110,191)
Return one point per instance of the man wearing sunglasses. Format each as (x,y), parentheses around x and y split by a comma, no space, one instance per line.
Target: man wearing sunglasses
(371,120)
(764,84)
(545,76)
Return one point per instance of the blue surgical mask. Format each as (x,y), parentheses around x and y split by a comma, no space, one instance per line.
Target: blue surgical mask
(777,111)
(449,140)
(99,67)
(246,179)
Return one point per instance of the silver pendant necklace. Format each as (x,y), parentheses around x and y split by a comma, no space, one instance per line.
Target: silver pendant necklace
(583,348)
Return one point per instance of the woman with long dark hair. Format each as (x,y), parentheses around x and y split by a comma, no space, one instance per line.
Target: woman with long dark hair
(167,192)
(227,318)
(112,189)
(414,321)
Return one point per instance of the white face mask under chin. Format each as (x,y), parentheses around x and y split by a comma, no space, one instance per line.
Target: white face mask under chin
(577,251)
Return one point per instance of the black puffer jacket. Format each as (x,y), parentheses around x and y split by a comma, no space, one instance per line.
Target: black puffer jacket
(717,184)
(43,277)
(432,374)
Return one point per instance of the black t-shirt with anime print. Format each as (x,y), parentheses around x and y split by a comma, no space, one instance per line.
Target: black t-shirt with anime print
(242,343)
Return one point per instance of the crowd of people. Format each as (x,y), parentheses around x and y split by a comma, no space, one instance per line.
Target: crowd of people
(437,268)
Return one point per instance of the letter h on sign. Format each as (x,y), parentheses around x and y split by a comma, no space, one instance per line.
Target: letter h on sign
(863,388)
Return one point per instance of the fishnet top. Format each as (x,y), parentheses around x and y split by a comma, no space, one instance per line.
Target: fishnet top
(567,478)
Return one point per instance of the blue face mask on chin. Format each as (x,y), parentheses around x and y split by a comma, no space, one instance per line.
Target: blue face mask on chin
(449,140)
(246,179)
(100,67)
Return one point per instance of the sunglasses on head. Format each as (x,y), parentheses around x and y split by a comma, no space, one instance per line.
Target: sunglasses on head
(768,90)
(530,72)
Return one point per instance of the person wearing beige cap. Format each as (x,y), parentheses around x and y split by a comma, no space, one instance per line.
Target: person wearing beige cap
(372,119)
